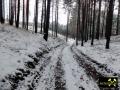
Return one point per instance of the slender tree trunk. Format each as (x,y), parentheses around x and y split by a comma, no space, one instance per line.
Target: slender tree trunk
(18,14)
(56,18)
(86,21)
(67,25)
(83,24)
(11,13)
(23,22)
(78,22)
(45,15)
(27,14)
(15,12)
(47,20)
(93,31)
(104,19)
(9,10)
(118,17)
(2,11)
(98,21)
(42,16)
(91,19)
(36,16)
(52,17)
(109,23)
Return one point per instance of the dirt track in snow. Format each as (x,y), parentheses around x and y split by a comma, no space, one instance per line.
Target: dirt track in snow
(58,68)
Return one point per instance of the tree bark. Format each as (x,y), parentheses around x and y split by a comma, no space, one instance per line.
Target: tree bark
(78,22)
(67,25)
(98,21)
(23,22)
(27,14)
(109,23)
(36,16)
(47,20)
(18,14)
(118,17)
(94,16)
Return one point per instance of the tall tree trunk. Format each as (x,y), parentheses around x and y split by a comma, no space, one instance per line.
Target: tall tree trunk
(56,18)
(52,18)
(118,17)
(2,12)
(83,24)
(15,11)
(78,22)
(18,14)
(36,16)
(23,22)
(11,12)
(104,19)
(98,21)
(27,14)
(47,20)
(109,22)
(67,25)
(86,21)
(91,20)
(42,16)
(94,16)
(45,15)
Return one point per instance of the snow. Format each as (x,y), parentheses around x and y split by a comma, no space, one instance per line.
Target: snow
(110,57)
(47,80)
(75,75)
(16,45)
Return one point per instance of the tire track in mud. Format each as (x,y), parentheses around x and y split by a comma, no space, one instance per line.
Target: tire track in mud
(93,69)
(19,76)
(60,83)
(51,73)
(89,69)
(75,75)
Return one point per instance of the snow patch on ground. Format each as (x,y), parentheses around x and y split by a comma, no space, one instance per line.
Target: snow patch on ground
(110,58)
(75,76)
(16,45)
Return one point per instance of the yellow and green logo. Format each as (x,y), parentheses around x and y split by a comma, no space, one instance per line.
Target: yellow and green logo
(108,82)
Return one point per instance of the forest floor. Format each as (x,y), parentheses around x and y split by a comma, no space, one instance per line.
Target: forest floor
(27,62)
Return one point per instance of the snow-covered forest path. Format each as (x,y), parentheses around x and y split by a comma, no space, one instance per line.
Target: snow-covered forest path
(56,65)
(59,68)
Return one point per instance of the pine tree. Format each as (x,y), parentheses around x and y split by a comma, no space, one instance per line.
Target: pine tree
(118,17)
(78,22)
(109,23)
(36,16)
(2,12)
(11,19)
(27,14)
(56,17)
(23,21)
(47,20)
(94,18)
(18,14)
(98,21)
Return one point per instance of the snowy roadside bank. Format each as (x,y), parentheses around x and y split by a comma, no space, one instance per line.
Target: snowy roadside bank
(17,44)
(109,58)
